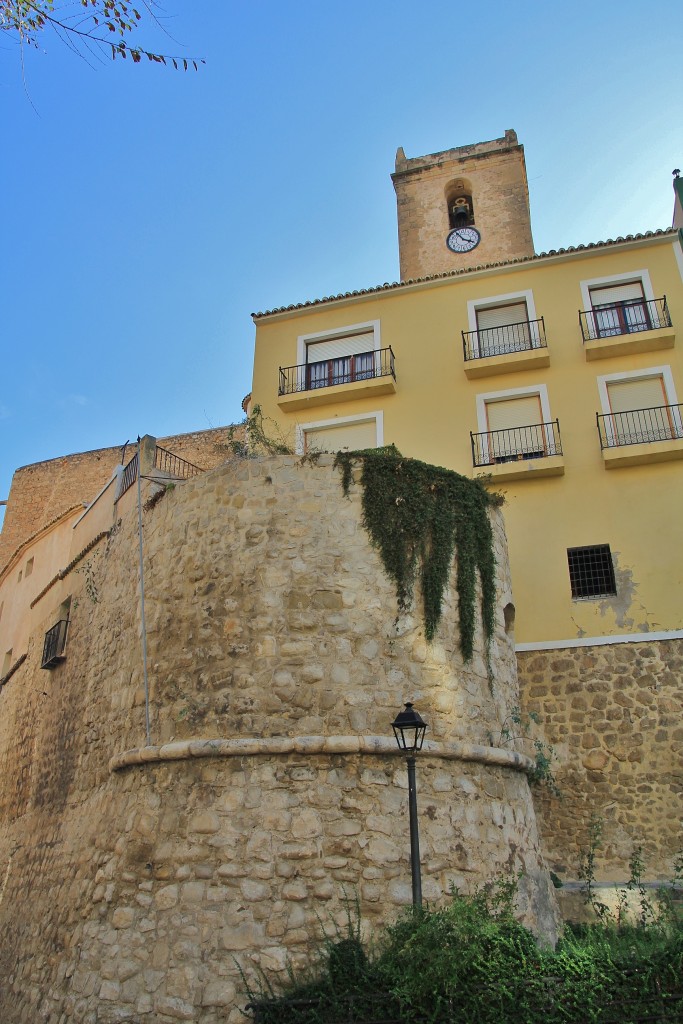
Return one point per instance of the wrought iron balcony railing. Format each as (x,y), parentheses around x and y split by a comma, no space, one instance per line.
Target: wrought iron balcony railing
(640,426)
(499,341)
(628,317)
(516,444)
(172,464)
(54,644)
(130,475)
(342,370)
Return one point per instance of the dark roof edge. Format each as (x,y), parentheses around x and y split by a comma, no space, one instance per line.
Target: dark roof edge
(395,285)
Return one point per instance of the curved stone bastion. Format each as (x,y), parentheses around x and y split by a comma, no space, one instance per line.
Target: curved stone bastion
(138,880)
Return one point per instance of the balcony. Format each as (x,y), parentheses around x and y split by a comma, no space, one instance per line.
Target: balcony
(636,325)
(505,349)
(54,644)
(640,436)
(534,450)
(337,380)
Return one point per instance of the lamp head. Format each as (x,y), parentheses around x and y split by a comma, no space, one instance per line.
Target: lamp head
(409,730)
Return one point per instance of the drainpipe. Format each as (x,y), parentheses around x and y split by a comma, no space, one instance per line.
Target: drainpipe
(142,603)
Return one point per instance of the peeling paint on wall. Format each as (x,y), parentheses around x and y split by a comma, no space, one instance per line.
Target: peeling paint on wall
(620,603)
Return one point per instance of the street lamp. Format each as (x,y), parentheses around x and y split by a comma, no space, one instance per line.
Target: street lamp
(409,730)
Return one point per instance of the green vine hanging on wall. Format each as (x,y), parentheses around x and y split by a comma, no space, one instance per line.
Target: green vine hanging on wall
(418,516)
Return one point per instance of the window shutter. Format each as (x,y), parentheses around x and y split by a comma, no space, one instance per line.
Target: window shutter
(616,293)
(645,393)
(501,316)
(514,412)
(337,348)
(352,436)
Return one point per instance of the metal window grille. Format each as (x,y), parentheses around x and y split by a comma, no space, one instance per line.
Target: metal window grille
(54,644)
(591,572)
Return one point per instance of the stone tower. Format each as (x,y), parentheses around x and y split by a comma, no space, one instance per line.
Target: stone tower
(462,208)
(144,882)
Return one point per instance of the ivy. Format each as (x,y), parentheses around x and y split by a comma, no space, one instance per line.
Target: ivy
(418,517)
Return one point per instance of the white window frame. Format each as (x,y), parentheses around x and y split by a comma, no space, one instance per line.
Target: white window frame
(663,372)
(304,340)
(339,421)
(640,276)
(491,302)
(643,276)
(539,391)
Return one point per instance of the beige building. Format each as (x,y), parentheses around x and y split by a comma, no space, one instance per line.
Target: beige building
(58,507)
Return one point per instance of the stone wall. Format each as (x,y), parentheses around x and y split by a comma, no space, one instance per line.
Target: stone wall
(613,713)
(132,877)
(44,490)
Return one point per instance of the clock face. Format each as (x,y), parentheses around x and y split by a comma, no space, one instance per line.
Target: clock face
(463,239)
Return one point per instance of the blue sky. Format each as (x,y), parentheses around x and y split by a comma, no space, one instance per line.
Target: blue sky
(146,212)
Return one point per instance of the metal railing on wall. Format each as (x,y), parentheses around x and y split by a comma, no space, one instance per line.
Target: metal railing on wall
(516,443)
(640,426)
(129,475)
(503,340)
(342,370)
(628,317)
(167,462)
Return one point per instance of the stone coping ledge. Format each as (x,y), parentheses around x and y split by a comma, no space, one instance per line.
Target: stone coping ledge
(184,750)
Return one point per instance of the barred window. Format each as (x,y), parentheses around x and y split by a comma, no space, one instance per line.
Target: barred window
(591,572)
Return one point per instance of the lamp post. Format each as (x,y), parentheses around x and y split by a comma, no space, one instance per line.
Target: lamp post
(409,730)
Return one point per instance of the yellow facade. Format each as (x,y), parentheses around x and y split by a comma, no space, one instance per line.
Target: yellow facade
(626,496)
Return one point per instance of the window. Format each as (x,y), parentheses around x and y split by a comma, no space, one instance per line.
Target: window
(591,572)
(340,360)
(346,355)
(502,324)
(619,309)
(503,329)
(349,433)
(639,411)
(54,645)
(621,305)
(514,426)
(639,407)
(28,569)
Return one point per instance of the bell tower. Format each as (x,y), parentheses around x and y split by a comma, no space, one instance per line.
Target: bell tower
(462,208)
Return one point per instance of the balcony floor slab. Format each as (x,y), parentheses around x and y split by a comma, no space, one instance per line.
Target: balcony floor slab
(523,469)
(625,344)
(338,393)
(508,362)
(641,454)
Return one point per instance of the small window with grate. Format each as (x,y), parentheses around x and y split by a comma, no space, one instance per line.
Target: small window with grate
(591,572)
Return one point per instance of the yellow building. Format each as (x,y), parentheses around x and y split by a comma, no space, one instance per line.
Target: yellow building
(557,375)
